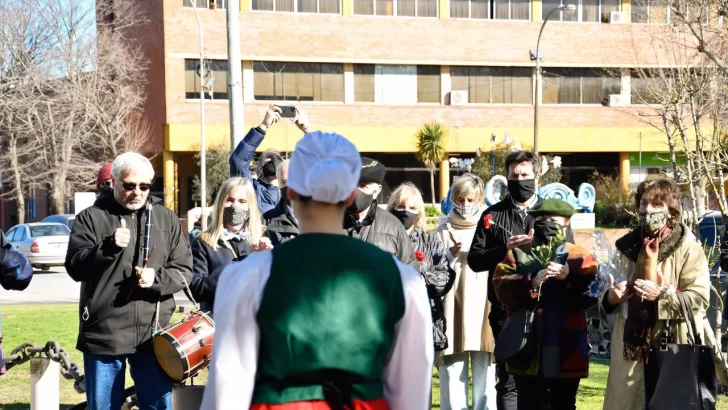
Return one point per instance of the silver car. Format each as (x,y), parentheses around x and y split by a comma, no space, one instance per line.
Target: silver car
(44,244)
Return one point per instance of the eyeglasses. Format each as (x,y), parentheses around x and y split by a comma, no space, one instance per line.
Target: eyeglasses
(105,184)
(130,186)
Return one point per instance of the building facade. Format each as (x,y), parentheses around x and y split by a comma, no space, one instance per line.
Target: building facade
(377,70)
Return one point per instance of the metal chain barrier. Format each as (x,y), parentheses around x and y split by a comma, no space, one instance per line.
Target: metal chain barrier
(52,351)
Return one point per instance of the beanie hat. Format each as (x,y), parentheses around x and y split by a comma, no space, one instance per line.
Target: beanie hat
(103,175)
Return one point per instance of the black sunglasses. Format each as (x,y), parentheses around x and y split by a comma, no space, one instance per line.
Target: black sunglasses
(105,184)
(130,186)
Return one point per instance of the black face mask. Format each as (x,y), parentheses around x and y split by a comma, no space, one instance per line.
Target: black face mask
(361,202)
(269,169)
(546,231)
(406,217)
(521,190)
(104,192)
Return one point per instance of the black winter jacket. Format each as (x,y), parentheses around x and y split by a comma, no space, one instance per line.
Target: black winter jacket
(489,247)
(384,230)
(439,279)
(116,315)
(208,264)
(281,224)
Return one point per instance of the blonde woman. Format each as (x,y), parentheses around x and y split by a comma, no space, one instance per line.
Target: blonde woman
(406,204)
(235,233)
(470,337)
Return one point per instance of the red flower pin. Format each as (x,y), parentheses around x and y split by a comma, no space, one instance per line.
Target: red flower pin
(420,256)
(488,221)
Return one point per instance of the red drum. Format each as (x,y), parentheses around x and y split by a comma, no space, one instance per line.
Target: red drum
(185,348)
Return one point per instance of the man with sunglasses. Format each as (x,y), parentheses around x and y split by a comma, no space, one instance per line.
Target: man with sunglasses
(124,298)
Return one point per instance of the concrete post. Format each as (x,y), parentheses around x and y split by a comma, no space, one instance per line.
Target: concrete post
(44,384)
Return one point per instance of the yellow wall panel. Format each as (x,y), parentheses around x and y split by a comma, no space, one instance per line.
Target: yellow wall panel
(395,139)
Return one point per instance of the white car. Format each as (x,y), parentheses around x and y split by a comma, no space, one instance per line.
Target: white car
(44,244)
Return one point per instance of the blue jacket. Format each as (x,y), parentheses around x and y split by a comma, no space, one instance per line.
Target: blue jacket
(267,195)
(15,271)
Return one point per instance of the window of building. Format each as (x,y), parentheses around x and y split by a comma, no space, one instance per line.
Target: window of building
(298,81)
(588,11)
(494,85)
(650,11)
(491,9)
(578,86)
(214,81)
(364,82)
(299,6)
(206,4)
(411,8)
(396,84)
(648,86)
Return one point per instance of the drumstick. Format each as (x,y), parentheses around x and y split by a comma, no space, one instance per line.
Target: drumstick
(146,262)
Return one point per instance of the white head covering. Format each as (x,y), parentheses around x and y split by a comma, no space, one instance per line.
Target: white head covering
(325,167)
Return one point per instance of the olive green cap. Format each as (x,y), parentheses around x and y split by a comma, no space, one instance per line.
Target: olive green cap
(552,207)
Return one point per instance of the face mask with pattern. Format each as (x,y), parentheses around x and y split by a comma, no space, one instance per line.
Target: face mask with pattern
(465,210)
(652,222)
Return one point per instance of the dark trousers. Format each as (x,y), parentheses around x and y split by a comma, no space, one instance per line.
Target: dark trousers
(507,394)
(537,393)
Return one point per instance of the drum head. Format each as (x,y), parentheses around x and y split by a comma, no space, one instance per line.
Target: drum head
(168,358)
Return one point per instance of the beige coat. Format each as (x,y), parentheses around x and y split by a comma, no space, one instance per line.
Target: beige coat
(466,305)
(687,268)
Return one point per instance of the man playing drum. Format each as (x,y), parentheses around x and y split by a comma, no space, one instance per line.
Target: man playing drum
(125,298)
(323,320)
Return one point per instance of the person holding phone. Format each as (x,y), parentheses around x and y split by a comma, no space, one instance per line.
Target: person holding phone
(266,184)
(547,373)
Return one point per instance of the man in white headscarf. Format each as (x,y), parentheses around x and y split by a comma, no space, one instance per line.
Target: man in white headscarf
(323,319)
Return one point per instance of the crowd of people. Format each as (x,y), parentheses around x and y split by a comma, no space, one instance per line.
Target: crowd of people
(324,299)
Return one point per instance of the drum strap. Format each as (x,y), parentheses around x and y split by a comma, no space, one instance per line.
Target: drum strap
(188,293)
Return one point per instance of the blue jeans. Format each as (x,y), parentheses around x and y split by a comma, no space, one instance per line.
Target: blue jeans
(104,376)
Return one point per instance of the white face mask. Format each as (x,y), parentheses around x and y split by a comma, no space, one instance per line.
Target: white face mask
(466,210)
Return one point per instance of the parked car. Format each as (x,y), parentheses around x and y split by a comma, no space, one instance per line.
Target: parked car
(66,219)
(44,244)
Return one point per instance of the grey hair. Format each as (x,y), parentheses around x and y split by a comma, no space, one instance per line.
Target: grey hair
(265,157)
(131,161)
(468,184)
(279,170)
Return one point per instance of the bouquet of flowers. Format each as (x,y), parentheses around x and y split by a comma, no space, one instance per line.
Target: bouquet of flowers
(609,263)
(549,252)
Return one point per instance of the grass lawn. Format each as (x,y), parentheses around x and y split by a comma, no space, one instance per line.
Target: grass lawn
(40,323)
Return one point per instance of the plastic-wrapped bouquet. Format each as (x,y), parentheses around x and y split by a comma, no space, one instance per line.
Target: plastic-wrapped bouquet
(608,259)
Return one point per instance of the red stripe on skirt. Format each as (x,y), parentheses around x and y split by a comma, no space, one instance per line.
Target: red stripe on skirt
(378,404)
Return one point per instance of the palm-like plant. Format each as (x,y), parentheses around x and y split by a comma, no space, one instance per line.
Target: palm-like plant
(431,149)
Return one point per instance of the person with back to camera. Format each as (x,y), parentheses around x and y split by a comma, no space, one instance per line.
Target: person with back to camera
(323,321)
